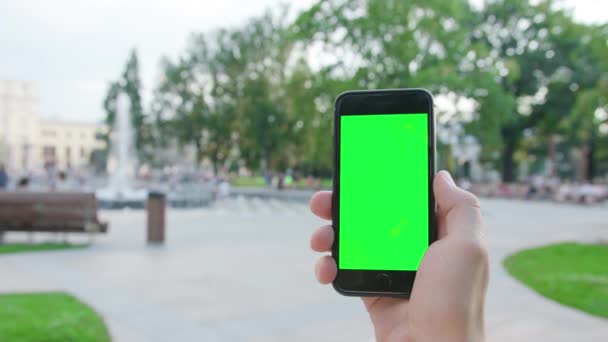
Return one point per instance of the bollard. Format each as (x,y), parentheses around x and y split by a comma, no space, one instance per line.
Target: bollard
(156,217)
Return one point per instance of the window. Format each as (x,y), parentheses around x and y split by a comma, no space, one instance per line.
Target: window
(48,154)
(49,133)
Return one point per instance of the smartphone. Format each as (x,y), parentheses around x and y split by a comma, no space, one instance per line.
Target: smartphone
(383,204)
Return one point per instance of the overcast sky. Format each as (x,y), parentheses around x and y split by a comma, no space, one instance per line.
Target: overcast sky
(71,49)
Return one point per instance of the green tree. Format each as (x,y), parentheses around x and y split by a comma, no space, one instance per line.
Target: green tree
(190,107)
(249,94)
(588,126)
(180,105)
(265,127)
(256,100)
(394,44)
(380,43)
(585,126)
(534,48)
(130,84)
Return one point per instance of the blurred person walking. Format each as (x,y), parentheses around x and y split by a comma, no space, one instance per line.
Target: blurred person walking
(23,184)
(64,183)
(3,177)
(281,181)
(223,190)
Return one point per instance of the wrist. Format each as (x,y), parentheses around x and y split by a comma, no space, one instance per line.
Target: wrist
(454,330)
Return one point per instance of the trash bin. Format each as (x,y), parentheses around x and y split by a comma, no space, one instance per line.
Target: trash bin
(156,206)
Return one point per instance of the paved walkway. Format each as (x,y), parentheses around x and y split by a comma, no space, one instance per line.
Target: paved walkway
(242,271)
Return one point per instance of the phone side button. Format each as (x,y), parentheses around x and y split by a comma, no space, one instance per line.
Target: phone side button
(384,280)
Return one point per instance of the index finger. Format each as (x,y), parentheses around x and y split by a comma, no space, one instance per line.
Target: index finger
(320,204)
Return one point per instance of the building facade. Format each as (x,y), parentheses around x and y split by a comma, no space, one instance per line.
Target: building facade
(19,123)
(29,142)
(68,144)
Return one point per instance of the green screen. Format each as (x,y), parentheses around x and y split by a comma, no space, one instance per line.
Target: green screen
(383,213)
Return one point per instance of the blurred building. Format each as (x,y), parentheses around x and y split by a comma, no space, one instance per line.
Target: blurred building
(29,142)
(68,144)
(19,124)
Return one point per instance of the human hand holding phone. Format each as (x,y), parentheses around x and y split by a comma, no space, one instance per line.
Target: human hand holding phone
(448,295)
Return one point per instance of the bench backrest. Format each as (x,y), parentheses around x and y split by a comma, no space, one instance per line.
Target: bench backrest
(49,211)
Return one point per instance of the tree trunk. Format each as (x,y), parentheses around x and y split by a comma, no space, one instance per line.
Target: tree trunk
(466,170)
(199,152)
(590,160)
(551,155)
(214,161)
(266,160)
(508,164)
(581,162)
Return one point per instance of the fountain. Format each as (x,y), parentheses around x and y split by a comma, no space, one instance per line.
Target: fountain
(119,192)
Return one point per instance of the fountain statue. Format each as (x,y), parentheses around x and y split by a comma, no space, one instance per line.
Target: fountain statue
(119,192)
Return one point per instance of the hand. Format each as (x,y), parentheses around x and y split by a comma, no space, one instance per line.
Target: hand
(447,300)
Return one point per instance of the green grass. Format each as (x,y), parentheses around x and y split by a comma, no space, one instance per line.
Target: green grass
(302,183)
(38,247)
(570,273)
(249,181)
(49,317)
(326,183)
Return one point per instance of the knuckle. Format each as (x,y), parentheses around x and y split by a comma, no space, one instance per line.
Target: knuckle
(475,249)
(470,200)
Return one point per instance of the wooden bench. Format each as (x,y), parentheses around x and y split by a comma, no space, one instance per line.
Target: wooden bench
(54,212)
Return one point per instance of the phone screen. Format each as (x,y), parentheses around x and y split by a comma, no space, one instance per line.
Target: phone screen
(384,184)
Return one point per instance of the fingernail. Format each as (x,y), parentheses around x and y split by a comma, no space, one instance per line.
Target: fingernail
(448,177)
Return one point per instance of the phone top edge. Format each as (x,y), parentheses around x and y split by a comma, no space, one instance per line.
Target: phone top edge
(390,90)
(344,94)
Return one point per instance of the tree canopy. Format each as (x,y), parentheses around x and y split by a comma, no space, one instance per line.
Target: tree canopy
(261,95)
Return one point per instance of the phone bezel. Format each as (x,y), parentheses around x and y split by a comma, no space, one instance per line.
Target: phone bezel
(369,102)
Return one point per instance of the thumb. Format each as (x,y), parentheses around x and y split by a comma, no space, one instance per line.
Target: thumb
(458,212)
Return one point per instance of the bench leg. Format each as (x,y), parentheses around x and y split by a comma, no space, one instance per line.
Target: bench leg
(1,237)
(65,238)
(30,238)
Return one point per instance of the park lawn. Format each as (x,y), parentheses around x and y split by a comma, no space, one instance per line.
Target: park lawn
(38,247)
(572,274)
(326,183)
(249,181)
(258,182)
(49,317)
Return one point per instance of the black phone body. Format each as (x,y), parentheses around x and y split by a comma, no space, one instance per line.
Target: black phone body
(383,204)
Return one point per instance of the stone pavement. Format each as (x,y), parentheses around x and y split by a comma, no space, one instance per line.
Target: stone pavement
(242,271)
